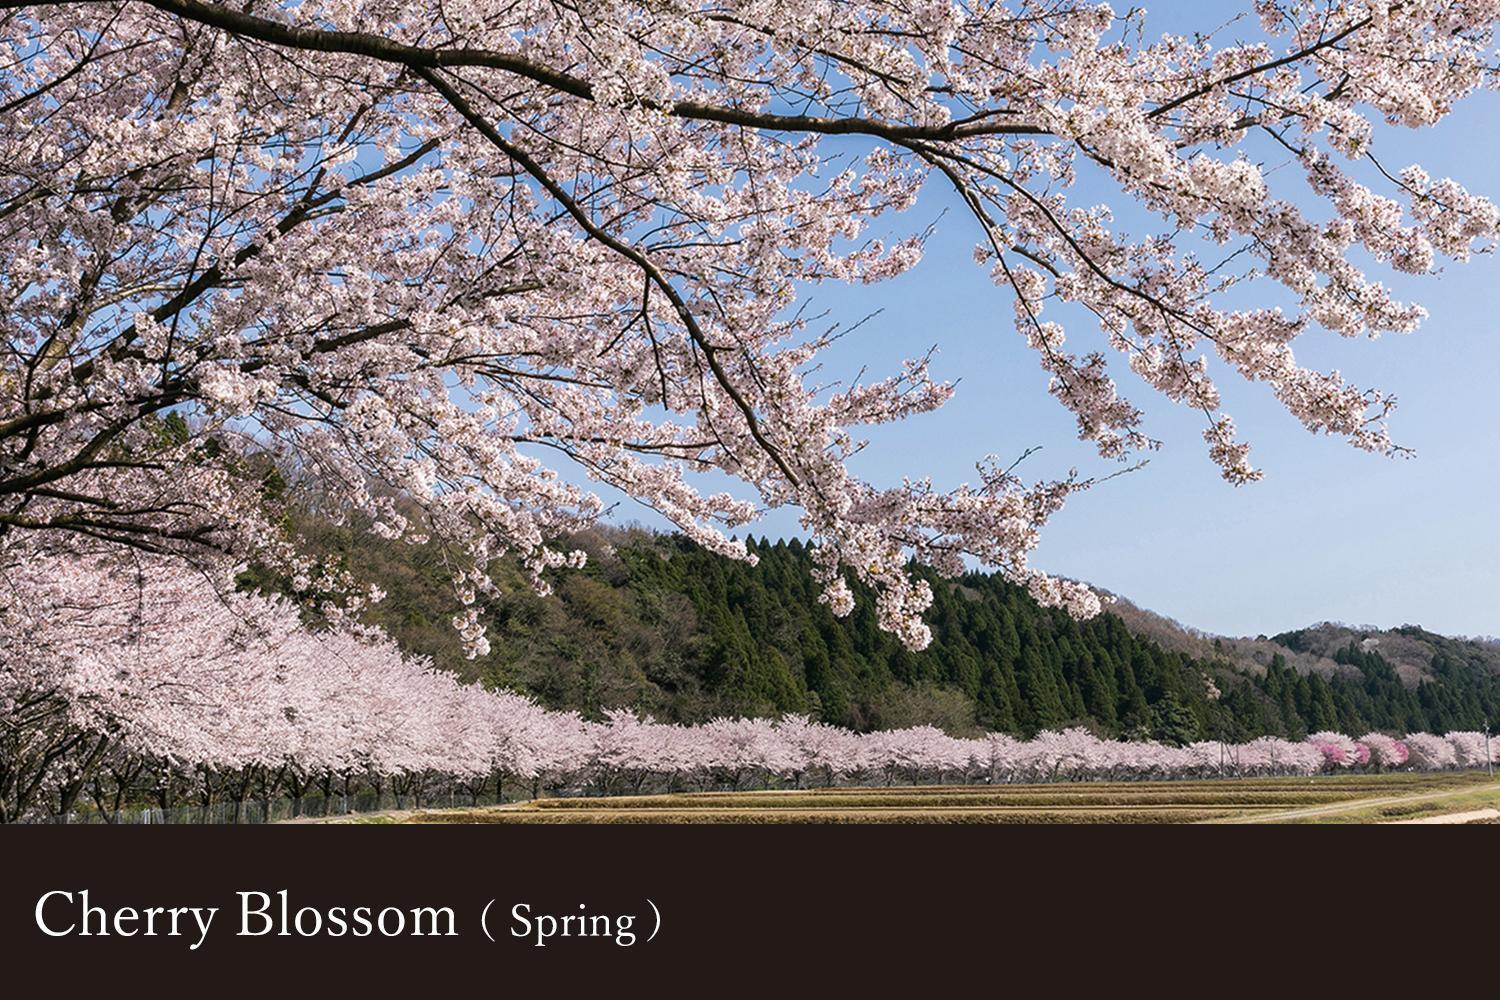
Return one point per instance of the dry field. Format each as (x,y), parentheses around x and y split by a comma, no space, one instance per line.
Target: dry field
(1344,798)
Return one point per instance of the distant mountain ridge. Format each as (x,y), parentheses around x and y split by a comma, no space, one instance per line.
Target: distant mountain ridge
(1408,648)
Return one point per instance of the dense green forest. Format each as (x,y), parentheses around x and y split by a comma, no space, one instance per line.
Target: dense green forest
(658,624)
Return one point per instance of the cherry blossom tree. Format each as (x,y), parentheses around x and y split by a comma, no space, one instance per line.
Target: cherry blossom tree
(631,747)
(1270,755)
(817,746)
(416,247)
(1470,749)
(999,756)
(1385,751)
(100,652)
(1429,752)
(740,748)
(116,664)
(1338,750)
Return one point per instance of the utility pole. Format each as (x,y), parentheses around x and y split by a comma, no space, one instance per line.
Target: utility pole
(1489,758)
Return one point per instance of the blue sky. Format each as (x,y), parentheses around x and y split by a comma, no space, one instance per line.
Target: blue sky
(1331,532)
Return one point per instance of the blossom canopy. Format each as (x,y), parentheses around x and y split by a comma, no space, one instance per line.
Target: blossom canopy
(415,247)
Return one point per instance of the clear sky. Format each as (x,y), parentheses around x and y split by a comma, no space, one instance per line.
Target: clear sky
(1331,532)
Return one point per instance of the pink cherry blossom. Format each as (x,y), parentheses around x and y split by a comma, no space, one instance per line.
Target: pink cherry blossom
(427,250)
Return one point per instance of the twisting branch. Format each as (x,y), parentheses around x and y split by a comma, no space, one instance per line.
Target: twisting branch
(634,255)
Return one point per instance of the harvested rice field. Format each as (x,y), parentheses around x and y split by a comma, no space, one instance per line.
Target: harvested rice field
(1349,798)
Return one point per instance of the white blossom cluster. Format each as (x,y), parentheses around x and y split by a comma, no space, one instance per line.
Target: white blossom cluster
(431,251)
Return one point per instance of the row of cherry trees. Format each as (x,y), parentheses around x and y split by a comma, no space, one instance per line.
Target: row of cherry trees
(131,677)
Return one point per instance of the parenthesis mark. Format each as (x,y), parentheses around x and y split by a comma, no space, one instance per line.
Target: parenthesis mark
(657,928)
(484,921)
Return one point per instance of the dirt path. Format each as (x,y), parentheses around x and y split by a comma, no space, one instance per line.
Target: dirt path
(1357,804)
(1463,817)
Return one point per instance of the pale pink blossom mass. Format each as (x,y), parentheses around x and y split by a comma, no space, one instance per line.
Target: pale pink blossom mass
(421,250)
(116,667)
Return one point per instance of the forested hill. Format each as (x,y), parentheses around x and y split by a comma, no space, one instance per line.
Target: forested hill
(657,624)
